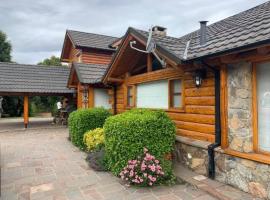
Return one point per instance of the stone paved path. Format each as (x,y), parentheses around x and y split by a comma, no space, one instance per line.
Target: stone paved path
(42,164)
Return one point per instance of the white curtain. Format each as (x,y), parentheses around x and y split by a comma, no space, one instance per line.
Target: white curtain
(101,98)
(263,98)
(153,95)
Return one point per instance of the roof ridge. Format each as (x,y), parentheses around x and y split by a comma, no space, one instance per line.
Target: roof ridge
(93,33)
(11,63)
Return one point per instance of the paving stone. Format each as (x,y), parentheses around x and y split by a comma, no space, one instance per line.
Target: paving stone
(47,166)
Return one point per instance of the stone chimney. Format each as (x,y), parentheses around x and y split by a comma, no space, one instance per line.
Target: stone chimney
(159,30)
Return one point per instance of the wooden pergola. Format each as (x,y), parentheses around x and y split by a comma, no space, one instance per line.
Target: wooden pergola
(33,80)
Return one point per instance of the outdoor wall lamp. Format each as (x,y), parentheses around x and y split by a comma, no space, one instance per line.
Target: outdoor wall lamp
(200,74)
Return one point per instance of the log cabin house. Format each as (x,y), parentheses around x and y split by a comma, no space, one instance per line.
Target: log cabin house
(89,55)
(214,83)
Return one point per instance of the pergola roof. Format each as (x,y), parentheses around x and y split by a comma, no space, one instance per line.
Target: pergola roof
(39,79)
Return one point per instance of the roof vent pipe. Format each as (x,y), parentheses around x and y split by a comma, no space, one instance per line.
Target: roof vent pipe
(203,32)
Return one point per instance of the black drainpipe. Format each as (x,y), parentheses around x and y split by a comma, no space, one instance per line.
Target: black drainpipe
(211,147)
(114,99)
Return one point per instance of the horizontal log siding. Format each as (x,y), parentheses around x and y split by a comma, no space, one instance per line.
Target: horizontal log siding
(197,121)
(96,57)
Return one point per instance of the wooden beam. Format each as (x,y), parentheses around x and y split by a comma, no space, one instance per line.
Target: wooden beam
(149,63)
(79,96)
(115,80)
(91,97)
(26,110)
(224,106)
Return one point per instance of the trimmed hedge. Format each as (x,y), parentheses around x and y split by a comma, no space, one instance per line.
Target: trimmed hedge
(83,120)
(128,133)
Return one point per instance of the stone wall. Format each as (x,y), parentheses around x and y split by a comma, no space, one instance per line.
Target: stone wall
(249,176)
(240,107)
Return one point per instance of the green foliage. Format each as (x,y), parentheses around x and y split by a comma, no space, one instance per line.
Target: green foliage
(127,134)
(94,139)
(53,60)
(5,48)
(13,106)
(83,120)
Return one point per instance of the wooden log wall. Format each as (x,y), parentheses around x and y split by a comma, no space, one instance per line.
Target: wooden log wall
(197,120)
(96,57)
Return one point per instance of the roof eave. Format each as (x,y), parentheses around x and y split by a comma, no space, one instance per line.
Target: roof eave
(230,51)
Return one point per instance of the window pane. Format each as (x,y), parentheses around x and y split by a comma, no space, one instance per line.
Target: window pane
(101,98)
(177,86)
(153,95)
(130,96)
(263,96)
(130,101)
(177,101)
(129,91)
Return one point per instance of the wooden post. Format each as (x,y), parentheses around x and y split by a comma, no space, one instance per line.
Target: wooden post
(79,96)
(26,110)
(149,62)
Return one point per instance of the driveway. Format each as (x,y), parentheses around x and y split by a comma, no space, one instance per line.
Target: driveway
(43,164)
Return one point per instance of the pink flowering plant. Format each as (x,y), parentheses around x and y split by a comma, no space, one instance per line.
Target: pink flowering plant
(144,171)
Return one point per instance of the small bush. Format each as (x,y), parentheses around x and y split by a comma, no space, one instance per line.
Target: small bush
(84,120)
(94,139)
(128,133)
(96,159)
(144,171)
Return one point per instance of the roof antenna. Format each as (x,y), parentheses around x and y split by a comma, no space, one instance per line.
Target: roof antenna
(150,47)
(186,50)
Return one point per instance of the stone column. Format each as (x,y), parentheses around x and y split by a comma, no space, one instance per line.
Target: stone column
(240,107)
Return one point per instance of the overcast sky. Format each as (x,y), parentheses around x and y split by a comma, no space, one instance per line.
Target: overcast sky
(36,28)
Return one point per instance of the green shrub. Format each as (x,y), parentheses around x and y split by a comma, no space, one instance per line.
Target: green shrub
(127,134)
(94,139)
(84,120)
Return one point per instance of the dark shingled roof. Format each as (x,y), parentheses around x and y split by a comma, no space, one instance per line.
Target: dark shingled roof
(19,78)
(90,73)
(241,30)
(91,40)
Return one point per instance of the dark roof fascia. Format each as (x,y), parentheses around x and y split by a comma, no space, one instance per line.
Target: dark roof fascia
(67,36)
(115,55)
(135,33)
(230,51)
(94,48)
(78,73)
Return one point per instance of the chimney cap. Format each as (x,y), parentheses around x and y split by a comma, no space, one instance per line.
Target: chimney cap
(203,22)
(159,28)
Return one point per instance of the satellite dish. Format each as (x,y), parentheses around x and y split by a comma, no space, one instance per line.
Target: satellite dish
(150,47)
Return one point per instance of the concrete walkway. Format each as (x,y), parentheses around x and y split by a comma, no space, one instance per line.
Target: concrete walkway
(16,123)
(43,164)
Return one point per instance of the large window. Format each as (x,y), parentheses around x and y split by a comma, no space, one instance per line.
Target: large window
(263,105)
(153,94)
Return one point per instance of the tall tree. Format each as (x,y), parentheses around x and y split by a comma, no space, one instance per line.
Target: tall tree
(53,60)
(5,48)
(11,105)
